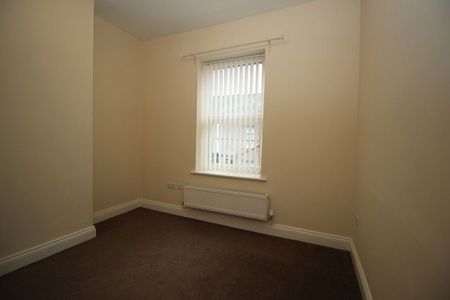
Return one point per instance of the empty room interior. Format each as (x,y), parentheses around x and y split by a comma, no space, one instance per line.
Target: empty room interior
(256,149)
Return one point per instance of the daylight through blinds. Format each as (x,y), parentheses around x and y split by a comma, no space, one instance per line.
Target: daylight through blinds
(230,111)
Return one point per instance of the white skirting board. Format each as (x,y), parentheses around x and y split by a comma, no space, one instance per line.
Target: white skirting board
(31,255)
(288,232)
(360,274)
(116,210)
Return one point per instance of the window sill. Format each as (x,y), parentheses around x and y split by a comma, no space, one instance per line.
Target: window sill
(233,176)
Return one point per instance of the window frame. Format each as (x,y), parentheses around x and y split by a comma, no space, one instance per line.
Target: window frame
(198,155)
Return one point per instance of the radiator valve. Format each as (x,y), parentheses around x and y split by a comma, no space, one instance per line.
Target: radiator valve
(271,215)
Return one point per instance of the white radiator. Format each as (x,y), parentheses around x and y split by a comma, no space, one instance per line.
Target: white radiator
(243,204)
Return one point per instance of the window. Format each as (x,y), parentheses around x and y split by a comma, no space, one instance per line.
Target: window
(230,115)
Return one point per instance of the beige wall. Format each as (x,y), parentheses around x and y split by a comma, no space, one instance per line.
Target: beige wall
(310,112)
(46,66)
(404,153)
(118,93)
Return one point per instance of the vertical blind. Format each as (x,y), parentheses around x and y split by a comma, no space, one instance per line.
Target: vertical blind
(229,116)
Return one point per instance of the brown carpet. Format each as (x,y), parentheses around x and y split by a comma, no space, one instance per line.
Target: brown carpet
(149,255)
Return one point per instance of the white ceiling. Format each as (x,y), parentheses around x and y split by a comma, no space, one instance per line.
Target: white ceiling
(147,19)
